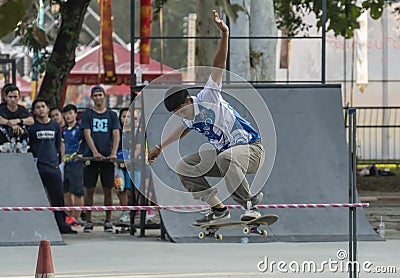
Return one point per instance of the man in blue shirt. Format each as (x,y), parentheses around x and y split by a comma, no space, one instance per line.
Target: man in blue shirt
(45,142)
(238,146)
(101,130)
(72,143)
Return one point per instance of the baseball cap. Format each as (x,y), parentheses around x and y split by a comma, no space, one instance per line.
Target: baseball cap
(97,89)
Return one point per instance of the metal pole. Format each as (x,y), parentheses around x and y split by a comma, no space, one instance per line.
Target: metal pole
(13,71)
(350,146)
(354,209)
(323,58)
(353,271)
(133,37)
(133,133)
(228,60)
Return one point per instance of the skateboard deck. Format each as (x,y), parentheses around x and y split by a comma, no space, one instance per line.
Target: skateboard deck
(89,160)
(250,227)
(124,227)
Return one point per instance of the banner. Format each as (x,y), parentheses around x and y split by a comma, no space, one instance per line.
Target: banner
(106,40)
(145,30)
(362,52)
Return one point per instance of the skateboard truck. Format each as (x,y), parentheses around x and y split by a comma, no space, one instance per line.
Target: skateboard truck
(211,232)
(254,230)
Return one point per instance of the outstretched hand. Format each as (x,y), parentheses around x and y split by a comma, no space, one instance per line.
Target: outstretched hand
(219,22)
(153,154)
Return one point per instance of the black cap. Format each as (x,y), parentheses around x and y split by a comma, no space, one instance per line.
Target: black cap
(97,89)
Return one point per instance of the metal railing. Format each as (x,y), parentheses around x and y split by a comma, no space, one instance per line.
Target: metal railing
(378,134)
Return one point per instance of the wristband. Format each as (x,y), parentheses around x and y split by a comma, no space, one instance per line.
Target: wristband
(158,147)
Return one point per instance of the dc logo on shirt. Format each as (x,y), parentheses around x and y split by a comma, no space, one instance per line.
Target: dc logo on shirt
(100,125)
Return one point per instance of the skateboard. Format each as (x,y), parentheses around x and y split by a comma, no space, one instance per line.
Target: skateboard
(250,227)
(124,227)
(88,160)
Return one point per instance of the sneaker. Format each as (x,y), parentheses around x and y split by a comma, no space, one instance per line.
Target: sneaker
(83,216)
(250,213)
(149,215)
(125,217)
(213,216)
(256,199)
(88,227)
(71,221)
(108,227)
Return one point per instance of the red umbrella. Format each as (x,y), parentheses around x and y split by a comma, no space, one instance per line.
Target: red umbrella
(89,68)
(24,87)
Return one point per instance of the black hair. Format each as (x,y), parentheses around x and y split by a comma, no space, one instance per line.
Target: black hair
(8,88)
(55,108)
(70,107)
(175,97)
(3,90)
(39,100)
(120,115)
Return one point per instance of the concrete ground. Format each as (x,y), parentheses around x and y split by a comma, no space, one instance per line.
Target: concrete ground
(120,255)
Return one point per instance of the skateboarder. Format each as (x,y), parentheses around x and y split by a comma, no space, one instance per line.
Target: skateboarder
(101,130)
(238,145)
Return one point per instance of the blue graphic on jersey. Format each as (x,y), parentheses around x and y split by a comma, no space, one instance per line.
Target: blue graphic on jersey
(100,125)
(204,123)
(240,124)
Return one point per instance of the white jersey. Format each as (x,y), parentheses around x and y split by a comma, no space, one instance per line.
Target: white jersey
(218,120)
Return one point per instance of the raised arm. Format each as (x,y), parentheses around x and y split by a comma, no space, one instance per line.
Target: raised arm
(219,62)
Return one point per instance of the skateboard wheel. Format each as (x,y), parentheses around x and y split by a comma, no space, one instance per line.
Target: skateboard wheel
(202,235)
(87,162)
(122,165)
(218,237)
(246,230)
(263,233)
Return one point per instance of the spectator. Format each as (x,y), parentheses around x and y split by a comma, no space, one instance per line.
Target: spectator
(14,118)
(57,116)
(71,145)
(45,142)
(122,154)
(101,129)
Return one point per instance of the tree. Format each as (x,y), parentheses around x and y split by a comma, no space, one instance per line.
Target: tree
(239,53)
(341,18)
(262,51)
(62,58)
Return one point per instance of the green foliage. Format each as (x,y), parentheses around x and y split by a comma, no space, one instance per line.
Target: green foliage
(231,10)
(375,7)
(11,13)
(33,45)
(341,15)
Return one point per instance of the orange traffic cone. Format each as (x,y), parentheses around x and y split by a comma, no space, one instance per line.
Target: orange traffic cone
(44,266)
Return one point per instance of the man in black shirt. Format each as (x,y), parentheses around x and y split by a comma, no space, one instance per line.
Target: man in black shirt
(101,129)
(45,142)
(13,117)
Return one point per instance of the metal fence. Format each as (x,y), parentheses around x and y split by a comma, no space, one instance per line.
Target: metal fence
(378,134)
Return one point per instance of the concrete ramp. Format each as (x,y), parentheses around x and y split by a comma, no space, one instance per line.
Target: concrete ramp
(21,185)
(311,166)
